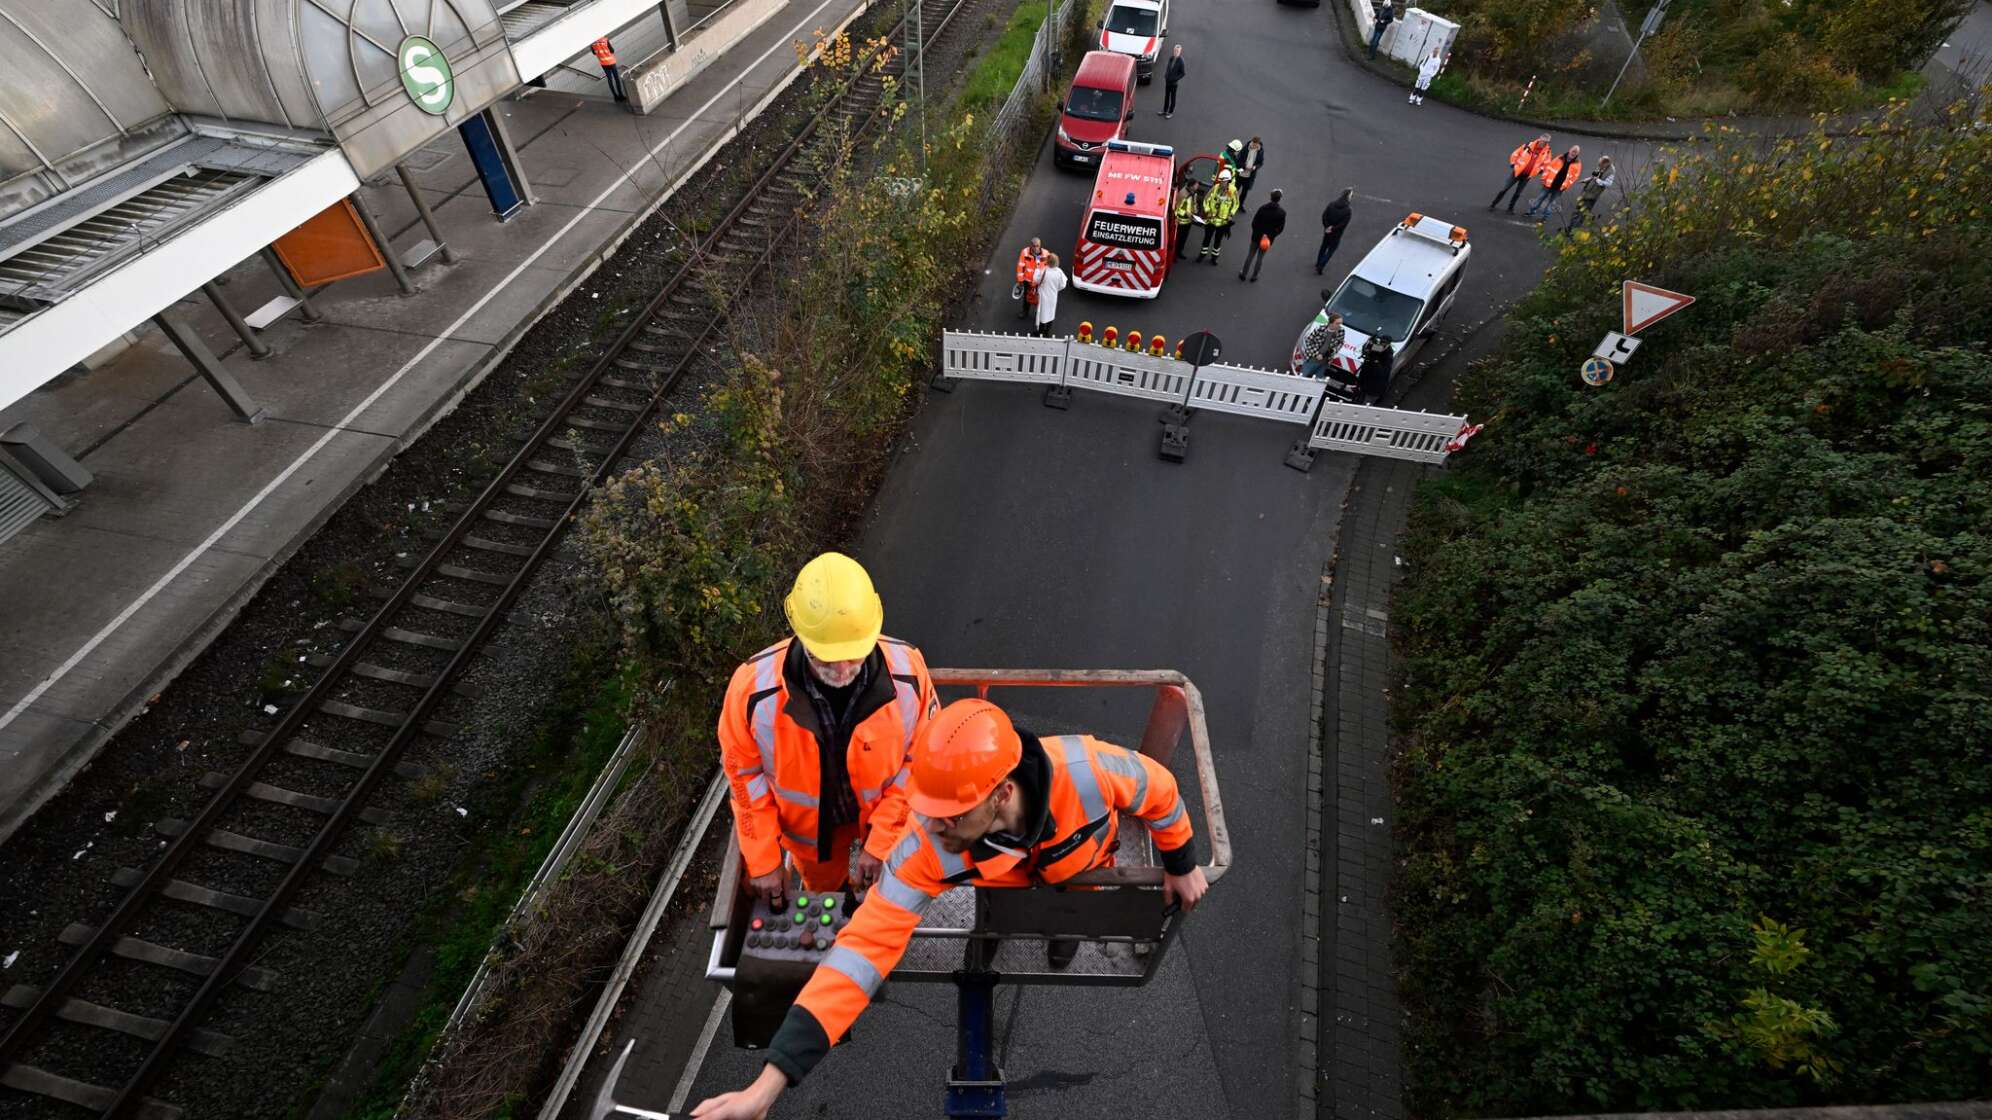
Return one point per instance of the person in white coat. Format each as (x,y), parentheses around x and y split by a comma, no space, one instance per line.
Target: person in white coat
(1427,70)
(1051,281)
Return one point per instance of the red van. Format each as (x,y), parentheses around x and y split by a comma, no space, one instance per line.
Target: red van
(1096,110)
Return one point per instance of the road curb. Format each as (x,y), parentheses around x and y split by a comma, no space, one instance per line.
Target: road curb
(1399,75)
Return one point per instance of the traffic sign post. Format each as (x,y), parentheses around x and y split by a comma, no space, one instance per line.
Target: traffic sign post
(1199,349)
(1642,305)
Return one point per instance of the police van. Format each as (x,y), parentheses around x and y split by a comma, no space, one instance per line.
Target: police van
(1402,289)
(1136,27)
(1127,233)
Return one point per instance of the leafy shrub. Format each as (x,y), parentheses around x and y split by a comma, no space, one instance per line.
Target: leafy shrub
(1697,779)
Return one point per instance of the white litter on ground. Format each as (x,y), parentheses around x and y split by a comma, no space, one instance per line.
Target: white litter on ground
(110,816)
(269,709)
(462,812)
(11,958)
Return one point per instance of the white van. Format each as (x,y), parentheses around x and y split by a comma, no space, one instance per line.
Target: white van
(1136,27)
(1402,289)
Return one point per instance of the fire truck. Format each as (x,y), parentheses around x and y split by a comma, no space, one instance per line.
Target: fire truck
(1127,233)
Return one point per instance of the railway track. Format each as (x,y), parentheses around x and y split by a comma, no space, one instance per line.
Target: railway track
(386,688)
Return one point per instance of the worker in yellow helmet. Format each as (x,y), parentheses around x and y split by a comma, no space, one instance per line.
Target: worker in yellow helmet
(817,733)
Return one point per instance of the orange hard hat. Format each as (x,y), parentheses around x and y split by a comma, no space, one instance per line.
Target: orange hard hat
(965,753)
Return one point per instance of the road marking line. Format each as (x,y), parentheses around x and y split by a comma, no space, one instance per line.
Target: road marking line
(311,452)
(691,1075)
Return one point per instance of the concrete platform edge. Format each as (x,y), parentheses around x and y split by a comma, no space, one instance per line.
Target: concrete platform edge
(85,750)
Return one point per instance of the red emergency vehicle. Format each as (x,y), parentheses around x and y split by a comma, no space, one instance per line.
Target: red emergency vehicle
(1126,235)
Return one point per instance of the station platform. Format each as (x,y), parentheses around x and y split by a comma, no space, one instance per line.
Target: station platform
(192,509)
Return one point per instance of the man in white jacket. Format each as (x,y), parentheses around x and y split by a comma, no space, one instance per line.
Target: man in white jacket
(1427,70)
(1051,281)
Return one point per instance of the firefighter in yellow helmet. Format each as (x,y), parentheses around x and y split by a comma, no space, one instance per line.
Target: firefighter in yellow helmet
(816,734)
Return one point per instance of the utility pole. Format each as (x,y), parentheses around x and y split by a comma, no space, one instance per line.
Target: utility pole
(1646,29)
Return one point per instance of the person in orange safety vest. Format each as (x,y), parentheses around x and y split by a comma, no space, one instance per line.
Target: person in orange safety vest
(1557,175)
(605,53)
(1523,164)
(993,807)
(816,733)
(1030,265)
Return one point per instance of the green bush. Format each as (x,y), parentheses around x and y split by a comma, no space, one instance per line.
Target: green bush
(1697,774)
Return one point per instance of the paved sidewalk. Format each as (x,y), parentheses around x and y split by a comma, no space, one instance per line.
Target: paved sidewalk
(193,510)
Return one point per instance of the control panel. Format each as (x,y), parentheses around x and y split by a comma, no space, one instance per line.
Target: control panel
(780,947)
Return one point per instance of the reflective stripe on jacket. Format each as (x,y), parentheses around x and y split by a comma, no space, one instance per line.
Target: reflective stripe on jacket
(772,761)
(604,53)
(1090,781)
(1527,159)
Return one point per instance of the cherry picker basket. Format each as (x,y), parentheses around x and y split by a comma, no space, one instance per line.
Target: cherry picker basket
(1115,913)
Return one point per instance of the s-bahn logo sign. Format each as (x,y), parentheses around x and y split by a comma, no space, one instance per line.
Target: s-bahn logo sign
(426,75)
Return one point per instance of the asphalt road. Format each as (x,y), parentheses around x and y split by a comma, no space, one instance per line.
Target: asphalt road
(1012,535)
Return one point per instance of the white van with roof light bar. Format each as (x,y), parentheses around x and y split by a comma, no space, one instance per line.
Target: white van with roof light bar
(1137,28)
(1402,290)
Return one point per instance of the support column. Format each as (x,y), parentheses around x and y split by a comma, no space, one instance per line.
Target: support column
(368,220)
(670,25)
(290,286)
(510,154)
(428,216)
(204,362)
(257,347)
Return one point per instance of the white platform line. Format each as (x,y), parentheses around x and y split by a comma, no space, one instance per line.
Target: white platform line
(690,1077)
(283,476)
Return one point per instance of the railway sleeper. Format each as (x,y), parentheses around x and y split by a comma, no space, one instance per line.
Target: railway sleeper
(406,637)
(179,890)
(453,571)
(250,846)
(23,996)
(382,718)
(527,520)
(522,490)
(41,1083)
(674,341)
(627,385)
(485,544)
(277,795)
(592,425)
(193,964)
(578,445)
(426,602)
(304,748)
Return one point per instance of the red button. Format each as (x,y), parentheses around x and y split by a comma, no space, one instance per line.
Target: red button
(757,923)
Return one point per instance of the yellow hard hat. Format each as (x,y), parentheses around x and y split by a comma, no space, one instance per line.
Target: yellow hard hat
(834,609)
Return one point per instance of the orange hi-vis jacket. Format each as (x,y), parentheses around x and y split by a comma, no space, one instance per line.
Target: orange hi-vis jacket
(1553,165)
(1029,267)
(604,53)
(1073,785)
(1528,159)
(768,745)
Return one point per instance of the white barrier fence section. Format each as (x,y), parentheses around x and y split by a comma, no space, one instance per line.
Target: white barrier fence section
(974,356)
(1125,374)
(1393,433)
(1238,390)
(1267,394)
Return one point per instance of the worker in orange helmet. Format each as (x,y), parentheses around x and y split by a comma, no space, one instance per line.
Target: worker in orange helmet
(992,807)
(817,732)
(1031,263)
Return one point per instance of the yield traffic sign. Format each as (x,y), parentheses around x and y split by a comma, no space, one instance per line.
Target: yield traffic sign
(1643,305)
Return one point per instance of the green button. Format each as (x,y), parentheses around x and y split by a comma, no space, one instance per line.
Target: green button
(800,917)
(802,900)
(826,919)
(829,904)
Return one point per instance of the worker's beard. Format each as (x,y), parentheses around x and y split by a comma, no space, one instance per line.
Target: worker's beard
(835,674)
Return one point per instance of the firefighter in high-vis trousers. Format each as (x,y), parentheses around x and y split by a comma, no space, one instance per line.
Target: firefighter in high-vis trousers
(816,733)
(992,807)
(1220,207)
